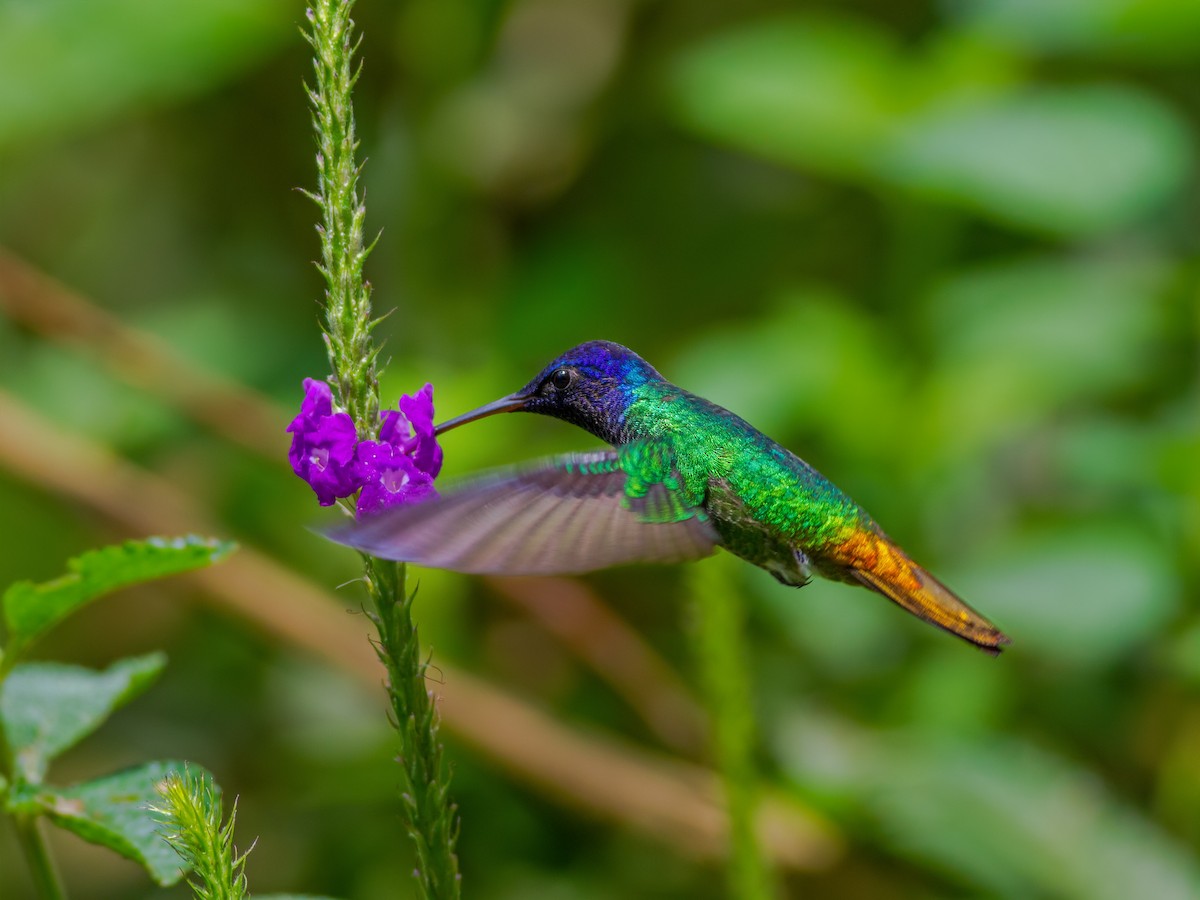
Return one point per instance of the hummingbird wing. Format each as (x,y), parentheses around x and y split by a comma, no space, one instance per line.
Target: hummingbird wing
(569,514)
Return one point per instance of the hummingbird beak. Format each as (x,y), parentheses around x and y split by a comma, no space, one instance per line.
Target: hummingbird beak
(511,403)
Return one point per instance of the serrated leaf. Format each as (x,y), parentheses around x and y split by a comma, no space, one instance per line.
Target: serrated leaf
(31,609)
(47,708)
(114,811)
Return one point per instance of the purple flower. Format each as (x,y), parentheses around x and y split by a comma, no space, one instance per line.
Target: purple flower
(411,430)
(404,461)
(323,445)
(394,478)
(398,468)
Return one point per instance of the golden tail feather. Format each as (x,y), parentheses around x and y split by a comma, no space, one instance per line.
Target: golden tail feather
(937,604)
(886,569)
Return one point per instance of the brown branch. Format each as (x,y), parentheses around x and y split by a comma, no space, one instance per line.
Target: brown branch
(675,802)
(138,358)
(571,612)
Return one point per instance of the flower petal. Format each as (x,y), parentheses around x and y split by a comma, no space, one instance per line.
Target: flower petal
(394,478)
(418,409)
(323,442)
(318,398)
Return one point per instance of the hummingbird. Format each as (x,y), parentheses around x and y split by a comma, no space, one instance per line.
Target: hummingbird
(683,477)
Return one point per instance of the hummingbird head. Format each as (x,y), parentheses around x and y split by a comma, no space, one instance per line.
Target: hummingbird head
(590,386)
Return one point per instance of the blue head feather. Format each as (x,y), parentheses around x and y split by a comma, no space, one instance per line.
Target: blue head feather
(591,385)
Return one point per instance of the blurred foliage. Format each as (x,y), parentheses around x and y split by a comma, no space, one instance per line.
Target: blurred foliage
(946,251)
(47,708)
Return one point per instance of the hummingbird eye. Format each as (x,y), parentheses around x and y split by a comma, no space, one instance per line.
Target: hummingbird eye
(562,379)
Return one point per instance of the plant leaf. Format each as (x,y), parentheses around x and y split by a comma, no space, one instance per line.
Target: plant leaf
(1028,160)
(1154,31)
(754,88)
(1084,597)
(835,96)
(1004,817)
(32,609)
(111,55)
(47,708)
(1081,327)
(1054,831)
(114,811)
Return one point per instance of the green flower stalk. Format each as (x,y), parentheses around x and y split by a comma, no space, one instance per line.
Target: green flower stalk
(348,322)
(719,639)
(429,813)
(191,814)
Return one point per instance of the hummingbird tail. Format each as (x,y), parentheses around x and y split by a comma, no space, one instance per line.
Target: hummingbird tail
(890,572)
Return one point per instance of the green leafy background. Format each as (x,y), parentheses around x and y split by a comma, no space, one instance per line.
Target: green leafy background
(945,251)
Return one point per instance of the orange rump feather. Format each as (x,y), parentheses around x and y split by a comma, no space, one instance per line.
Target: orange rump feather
(874,561)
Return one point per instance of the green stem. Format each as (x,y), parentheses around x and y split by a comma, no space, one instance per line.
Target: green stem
(430,814)
(29,835)
(37,854)
(721,653)
(428,810)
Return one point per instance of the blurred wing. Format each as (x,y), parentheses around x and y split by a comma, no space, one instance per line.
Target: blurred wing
(568,515)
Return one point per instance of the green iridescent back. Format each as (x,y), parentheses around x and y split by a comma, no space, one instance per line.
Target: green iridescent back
(720,456)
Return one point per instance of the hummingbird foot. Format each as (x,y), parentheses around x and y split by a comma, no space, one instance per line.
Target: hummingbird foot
(798,574)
